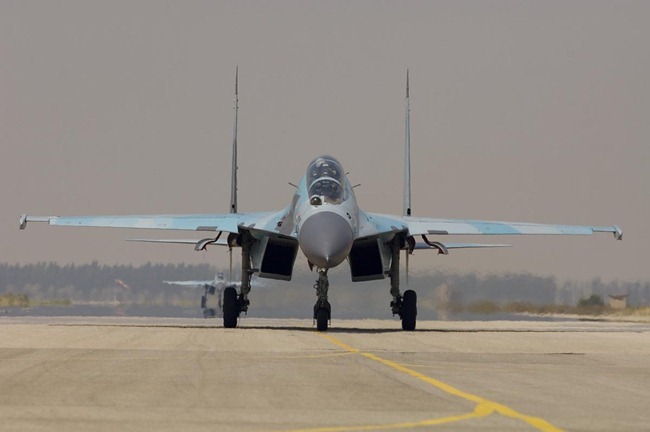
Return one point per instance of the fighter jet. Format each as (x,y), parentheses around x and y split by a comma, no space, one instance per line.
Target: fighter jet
(212,298)
(323,221)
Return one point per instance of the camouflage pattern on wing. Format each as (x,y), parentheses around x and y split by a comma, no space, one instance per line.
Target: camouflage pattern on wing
(416,226)
(263,221)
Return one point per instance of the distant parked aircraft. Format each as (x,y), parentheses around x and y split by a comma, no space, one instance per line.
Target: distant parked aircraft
(212,299)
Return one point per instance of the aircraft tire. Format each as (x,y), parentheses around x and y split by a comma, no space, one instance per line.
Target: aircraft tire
(322,319)
(409,310)
(230,308)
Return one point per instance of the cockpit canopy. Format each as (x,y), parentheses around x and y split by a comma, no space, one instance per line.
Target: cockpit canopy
(325,180)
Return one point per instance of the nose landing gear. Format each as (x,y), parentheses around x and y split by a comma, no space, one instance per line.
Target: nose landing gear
(322,308)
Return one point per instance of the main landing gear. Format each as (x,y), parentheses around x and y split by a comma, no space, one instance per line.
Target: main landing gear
(231,309)
(322,308)
(405,306)
(234,304)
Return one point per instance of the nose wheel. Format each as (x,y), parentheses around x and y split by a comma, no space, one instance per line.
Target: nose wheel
(322,308)
(322,315)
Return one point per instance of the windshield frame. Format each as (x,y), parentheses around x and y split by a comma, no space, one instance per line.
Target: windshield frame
(325,180)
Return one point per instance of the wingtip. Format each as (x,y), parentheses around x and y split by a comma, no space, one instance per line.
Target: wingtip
(618,233)
(26,218)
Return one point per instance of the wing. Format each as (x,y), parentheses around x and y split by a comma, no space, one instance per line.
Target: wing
(231,222)
(417,226)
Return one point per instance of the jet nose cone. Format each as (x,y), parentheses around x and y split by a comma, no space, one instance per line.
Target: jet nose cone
(326,239)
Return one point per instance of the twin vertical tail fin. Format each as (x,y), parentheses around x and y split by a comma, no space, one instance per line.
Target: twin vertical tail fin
(407,168)
(407,153)
(233,181)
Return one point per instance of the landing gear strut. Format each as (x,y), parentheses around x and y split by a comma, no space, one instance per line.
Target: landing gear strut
(404,306)
(233,304)
(246,272)
(322,308)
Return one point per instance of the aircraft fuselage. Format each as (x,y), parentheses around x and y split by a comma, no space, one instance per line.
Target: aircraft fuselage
(326,215)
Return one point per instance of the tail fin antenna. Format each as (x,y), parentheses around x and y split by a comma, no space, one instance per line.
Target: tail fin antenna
(407,153)
(233,181)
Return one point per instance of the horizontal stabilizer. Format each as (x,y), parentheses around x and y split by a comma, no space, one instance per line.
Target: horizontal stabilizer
(461,246)
(220,242)
(256,283)
(190,284)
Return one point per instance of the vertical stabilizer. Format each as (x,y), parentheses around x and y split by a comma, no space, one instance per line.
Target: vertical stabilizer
(407,153)
(233,180)
(407,166)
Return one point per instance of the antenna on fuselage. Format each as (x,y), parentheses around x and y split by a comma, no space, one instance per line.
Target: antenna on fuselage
(233,180)
(407,153)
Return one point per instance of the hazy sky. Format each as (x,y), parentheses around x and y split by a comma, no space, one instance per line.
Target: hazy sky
(522,111)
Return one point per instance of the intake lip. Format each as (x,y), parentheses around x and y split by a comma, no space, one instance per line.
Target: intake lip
(326,239)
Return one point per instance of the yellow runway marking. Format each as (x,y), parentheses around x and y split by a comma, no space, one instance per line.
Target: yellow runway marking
(484,406)
(309,356)
(339,343)
(480,411)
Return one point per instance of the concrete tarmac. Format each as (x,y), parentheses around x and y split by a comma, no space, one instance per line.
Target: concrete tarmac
(131,374)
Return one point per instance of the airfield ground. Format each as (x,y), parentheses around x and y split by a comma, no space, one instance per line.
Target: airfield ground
(280,375)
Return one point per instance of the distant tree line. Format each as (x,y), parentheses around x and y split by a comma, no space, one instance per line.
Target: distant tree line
(95,282)
(143,285)
(524,287)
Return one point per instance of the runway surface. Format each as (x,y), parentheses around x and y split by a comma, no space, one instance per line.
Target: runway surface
(280,375)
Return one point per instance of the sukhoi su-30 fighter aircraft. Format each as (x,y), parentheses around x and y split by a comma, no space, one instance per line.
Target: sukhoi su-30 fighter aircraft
(324,221)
